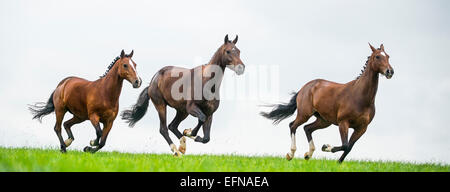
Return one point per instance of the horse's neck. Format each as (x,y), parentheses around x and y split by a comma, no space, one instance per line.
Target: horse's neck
(214,65)
(112,85)
(367,85)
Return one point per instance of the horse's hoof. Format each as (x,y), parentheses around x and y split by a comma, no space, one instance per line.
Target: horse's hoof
(326,148)
(187,132)
(177,154)
(93,143)
(182,149)
(63,150)
(87,149)
(288,157)
(307,157)
(67,142)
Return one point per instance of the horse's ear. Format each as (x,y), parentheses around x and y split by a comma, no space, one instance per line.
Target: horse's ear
(373,48)
(131,54)
(226,39)
(235,40)
(382,47)
(122,54)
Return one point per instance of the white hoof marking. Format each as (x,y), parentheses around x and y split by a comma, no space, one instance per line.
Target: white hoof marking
(328,148)
(312,148)
(67,142)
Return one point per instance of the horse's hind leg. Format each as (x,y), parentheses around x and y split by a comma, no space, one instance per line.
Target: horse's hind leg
(309,129)
(293,128)
(59,118)
(301,118)
(161,108)
(67,125)
(173,126)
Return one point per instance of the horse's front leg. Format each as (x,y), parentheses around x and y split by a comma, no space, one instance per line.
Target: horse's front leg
(343,130)
(355,136)
(195,111)
(95,120)
(193,132)
(107,127)
(206,131)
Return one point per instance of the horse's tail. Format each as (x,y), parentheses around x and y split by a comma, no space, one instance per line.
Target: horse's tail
(138,110)
(41,109)
(282,111)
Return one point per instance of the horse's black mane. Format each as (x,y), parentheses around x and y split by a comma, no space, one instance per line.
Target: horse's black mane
(111,65)
(364,67)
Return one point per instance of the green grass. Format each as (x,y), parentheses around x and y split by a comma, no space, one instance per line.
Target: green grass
(31,159)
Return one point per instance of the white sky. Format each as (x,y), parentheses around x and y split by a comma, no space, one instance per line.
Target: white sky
(41,42)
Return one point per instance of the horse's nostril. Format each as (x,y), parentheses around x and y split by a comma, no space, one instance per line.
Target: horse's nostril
(388,72)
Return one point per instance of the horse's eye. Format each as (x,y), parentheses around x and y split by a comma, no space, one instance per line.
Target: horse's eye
(125,65)
(378,57)
(228,51)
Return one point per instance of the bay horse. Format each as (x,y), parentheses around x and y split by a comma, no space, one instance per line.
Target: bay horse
(97,101)
(164,86)
(350,105)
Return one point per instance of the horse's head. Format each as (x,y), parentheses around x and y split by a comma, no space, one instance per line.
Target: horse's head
(380,62)
(231,56)
(127,69)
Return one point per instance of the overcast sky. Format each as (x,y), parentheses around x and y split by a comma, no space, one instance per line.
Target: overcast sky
(42,42)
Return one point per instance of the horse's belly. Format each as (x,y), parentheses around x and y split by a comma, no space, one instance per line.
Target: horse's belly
(329,117)
(326,112)
(77,109)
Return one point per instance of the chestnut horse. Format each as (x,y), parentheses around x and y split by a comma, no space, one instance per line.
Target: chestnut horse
(164,87)
(350,105)
(97,101)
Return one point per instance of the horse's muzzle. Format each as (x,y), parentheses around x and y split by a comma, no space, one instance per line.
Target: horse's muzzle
(389,73)
(239,69)
(137,83)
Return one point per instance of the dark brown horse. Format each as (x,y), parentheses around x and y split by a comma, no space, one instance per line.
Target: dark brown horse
(190,92)
(350,105)
(97,101)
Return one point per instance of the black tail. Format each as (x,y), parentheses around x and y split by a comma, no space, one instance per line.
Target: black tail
(42,109)
(138,110)
(281,111)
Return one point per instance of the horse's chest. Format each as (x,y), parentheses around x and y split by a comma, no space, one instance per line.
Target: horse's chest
(106,110)
(210,107)
(108,115)
(362,118)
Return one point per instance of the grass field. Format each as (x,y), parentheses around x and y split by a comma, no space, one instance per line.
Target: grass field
(29,159)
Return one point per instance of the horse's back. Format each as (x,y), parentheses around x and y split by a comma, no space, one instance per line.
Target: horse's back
(74,84)
(160,88)
(319,95)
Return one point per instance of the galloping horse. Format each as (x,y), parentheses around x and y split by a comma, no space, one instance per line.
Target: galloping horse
(195,100)
(97,101)
(350,105)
